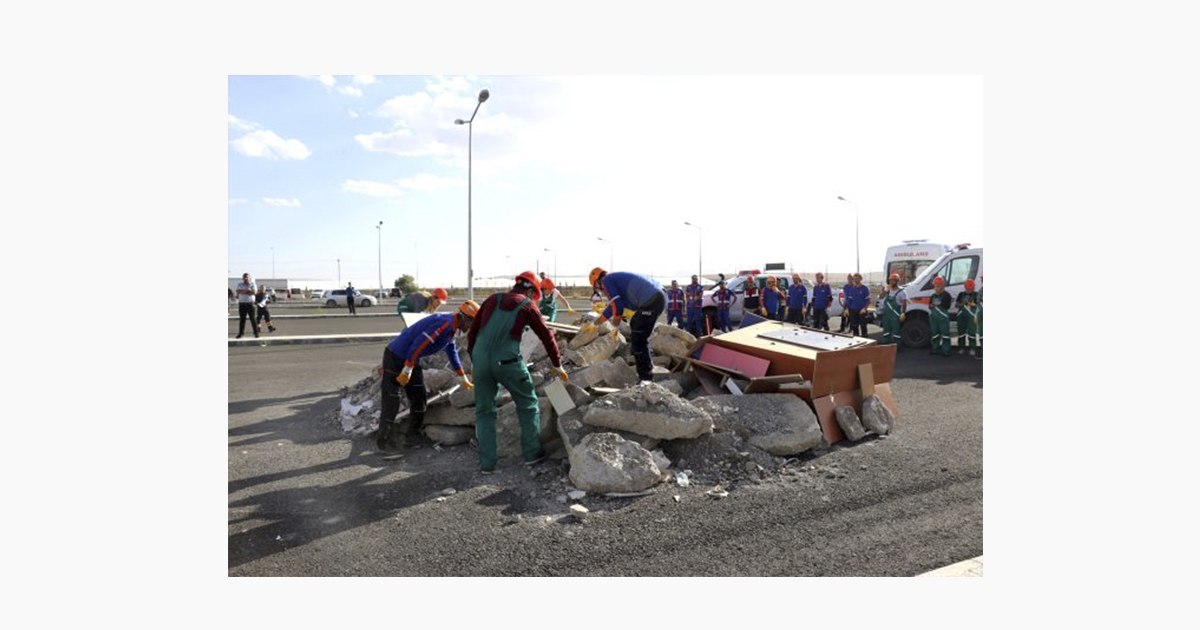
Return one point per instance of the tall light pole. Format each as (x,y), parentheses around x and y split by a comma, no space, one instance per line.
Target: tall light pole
(857,268)
(483,96)
(547,249)
(379,228)
(700,241)
(610,251)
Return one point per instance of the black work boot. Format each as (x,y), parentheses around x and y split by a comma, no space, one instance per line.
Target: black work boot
(412,428)
(383,437)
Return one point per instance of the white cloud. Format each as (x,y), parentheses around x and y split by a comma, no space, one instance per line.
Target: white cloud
(349,90)
(372,189)
(364,79)
(281,203)
(401,142)
(237,201)
(266,144)
(426,182)
(241,125)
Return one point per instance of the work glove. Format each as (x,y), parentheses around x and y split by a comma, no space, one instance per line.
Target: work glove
(571,310)
(615,332)
(628,314)
(561,373)
(901,316)
(589,328)
(466,381)
(404,375)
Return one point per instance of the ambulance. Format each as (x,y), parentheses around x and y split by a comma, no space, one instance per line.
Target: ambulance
(910,258)
(955,267)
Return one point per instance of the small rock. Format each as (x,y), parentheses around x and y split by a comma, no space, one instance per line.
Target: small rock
(448,492)
(717,492)
(577,494)
(862,467)
(677,499)
(578,510)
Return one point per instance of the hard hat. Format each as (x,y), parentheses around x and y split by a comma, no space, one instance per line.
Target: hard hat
(468,308)
(939,281)
(440,294)
(894,276)
(527,277)
(594,277)
(969,285)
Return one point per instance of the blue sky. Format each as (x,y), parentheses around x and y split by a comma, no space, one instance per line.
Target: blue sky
(558,163)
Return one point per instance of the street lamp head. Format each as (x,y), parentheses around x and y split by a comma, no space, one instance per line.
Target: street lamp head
(483,95)
(842,198)
(459,121)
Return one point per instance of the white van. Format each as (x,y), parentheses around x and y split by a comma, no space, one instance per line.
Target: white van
(955,267)
(910,258)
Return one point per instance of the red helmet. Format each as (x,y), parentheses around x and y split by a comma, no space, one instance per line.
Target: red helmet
(969,285)
(939,281)
(528,277)
(440,294)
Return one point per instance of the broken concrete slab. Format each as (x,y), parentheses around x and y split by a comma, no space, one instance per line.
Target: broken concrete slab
(849,422)
(604,462)
(449,415)
(584,338)
(876,416)
(508,429)
(531,347)
(780,424)
(612,372)
(649,409)
(449,435)
(598,350)
(437,380)
(671,341)
(572,430)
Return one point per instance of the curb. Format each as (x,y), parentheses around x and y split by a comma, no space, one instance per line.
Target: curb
(284,341)
(966,568)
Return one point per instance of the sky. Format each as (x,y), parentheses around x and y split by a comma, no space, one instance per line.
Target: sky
(565,173)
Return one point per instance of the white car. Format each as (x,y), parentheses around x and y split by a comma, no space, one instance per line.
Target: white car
(738,286)
(337,297)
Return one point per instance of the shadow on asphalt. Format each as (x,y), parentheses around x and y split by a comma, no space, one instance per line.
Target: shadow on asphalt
(247,406)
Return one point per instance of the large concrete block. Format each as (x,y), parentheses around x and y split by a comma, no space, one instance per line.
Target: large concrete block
(849,422)
(780,424)
(604,462)
(649,409)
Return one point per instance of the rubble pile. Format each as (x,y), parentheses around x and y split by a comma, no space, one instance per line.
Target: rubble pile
(617,434)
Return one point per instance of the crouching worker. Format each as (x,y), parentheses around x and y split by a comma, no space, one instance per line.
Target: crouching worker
(402,368)
(494,344)
(636,298)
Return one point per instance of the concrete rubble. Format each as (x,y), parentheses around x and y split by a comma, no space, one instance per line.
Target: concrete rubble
(623,436)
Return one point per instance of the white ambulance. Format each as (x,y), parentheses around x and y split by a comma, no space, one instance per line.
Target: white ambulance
(910,258)
(955,267)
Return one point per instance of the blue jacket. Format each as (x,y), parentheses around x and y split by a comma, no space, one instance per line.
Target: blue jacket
(770,300)
(857,297)
(822,296)
(627,290)
(429,335)
(797,296)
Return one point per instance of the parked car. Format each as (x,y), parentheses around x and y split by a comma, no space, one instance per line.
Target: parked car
(337,297)
(738,286)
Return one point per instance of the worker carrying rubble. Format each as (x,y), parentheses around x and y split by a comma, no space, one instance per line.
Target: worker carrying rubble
(939,318)
(773,299)
(695,307)
(547,305)
(968,318)
(858,298)
(675,305)
(894,302)
(750,301)
(402,367)
(797,299)
(422,301)
(822,299)
(724,299)
(636,298)
(494,344)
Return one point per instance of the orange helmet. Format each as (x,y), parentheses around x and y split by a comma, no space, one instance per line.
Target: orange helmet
(594,277)
(468,308)
(440,294)
(939,281)
(969,285)
(528,277)
(895,277)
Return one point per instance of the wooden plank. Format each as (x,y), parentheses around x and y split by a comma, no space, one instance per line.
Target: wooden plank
(715,369)
(749,365)
(866,382)
(768,384)
(563,328)
(709,381)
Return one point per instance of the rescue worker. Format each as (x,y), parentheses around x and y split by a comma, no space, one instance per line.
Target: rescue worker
(893,302)
(262,300)
(402,367)
(547,305)
(724,299)
(422,301)
(695,307)
(675,305)
(845,323)
(797,299)
(773,299)
(494,344)
(821,301)
(939,318)
(968,318)
(636,298)
(750,301)
(858,298)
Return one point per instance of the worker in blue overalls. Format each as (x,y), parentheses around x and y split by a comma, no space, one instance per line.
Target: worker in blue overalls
(796,301)
(695,307)
(636,298)
(858,297)
(724,299)
(773,299)
(675,305)
(821,301)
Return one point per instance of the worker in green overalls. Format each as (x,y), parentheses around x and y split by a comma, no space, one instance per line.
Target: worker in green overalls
(979,325)
(494,343)
(546,304)
(894,302)
(939,318)
(968,318)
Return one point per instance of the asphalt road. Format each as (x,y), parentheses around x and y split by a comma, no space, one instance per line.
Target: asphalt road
(306,499)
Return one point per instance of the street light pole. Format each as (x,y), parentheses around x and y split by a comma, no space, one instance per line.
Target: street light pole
(610,252)
(700,240)
(547,249)
(857,267)
(380,229)
(483,96)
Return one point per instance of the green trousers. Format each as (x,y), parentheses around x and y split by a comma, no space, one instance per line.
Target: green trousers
(939,331)
(968,330)
(496,360)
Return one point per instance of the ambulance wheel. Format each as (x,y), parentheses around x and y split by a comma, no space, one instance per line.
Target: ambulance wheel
(915,332)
